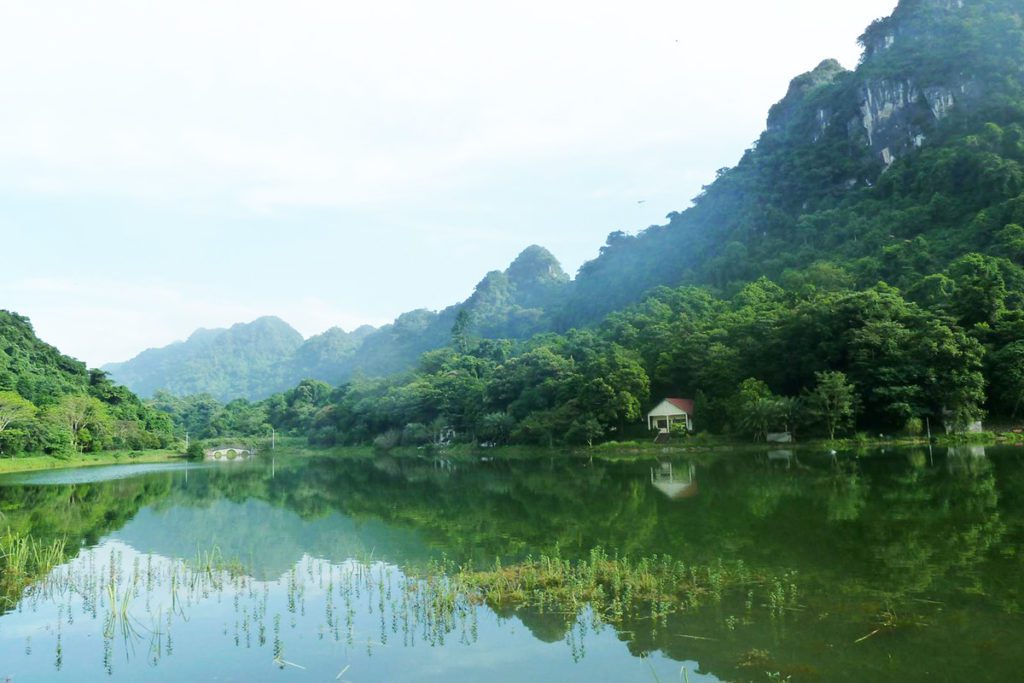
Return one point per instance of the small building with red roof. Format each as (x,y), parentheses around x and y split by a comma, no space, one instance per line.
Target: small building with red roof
(669,412)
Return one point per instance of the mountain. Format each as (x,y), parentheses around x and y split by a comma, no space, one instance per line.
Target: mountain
(323,355)
(265,356)
(246,360)
(914,156)
(514,304)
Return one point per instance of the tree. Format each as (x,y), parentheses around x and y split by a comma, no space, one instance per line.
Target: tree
(584,429)
(756,408)
(14,409)
(84,417)
(496,427)
(1010,242)
(1008,378)
(790,411)
(834,400)
(980,289)
(195,451)
(460,330)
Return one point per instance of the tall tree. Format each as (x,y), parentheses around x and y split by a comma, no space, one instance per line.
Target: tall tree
(84,417)
(834,400)
(14,409)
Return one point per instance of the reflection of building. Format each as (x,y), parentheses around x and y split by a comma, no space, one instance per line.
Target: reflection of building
(669,412)
(672,484)
(966,459)
(966,452)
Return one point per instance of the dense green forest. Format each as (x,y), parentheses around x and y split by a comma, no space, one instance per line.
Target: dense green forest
(769,358)
(51,403)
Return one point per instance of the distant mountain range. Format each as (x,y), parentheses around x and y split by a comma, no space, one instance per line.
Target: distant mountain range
(248,360)
(254,360)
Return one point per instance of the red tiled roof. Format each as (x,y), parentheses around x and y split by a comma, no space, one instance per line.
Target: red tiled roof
(684,404)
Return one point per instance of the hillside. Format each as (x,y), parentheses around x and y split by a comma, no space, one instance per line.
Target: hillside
(53,403)
(265,356)
(244,360)
(894,169)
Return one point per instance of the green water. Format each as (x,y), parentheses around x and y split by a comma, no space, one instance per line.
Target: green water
(898,566)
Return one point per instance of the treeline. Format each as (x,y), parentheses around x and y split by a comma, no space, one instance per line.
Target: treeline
(50,403)
(811,355)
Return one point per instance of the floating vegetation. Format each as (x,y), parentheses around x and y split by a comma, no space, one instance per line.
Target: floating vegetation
(618,589)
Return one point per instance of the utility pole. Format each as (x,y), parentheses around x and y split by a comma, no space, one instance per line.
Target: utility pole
(186,442)
(273,438)
(931,457)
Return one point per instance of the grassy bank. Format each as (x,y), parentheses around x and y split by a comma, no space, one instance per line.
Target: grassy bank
(32,463)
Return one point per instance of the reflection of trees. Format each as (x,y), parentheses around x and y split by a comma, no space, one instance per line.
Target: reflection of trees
(934,525)
(80,513)
(845,493)
(863,533)
(895,525)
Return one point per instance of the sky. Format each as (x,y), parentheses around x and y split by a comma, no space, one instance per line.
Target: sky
(172,165)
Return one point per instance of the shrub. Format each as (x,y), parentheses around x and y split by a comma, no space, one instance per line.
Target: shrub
(387,440)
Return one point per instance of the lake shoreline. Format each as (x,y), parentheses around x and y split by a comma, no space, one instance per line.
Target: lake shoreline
(38,463)
(606,451)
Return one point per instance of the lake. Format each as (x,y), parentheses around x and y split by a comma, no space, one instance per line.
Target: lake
(779,565)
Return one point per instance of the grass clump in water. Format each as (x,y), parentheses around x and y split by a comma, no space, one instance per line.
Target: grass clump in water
(616,588)
(24,559)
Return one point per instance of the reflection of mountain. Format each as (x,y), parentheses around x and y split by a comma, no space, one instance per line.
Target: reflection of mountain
(268,540)
(898,529)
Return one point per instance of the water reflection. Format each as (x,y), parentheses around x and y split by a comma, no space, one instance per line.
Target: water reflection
(921,554)
(675,484)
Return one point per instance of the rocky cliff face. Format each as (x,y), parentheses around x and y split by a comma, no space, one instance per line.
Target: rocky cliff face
(897,115)
(912,77)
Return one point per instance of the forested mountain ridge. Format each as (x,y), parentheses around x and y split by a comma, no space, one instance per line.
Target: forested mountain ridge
(244,360)
(254,360)
(53,403)
(912,158)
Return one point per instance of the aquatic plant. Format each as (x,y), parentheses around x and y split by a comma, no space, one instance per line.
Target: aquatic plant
(24,559)
(616,588)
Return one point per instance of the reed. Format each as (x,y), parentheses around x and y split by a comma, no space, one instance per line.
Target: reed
(24,559)
(616,588)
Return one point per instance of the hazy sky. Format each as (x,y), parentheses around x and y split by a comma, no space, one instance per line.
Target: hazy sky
(171,165)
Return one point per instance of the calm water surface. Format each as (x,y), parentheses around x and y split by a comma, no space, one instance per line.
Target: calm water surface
(898,566)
